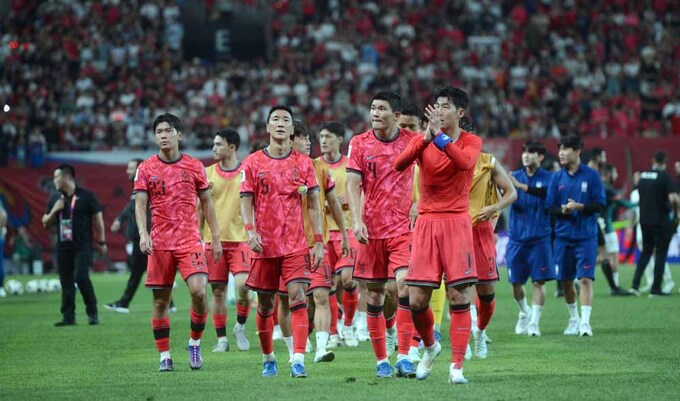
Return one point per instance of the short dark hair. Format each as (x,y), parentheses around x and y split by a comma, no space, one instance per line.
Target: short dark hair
(137,160)
(456,95)
(257,145)
(660,157)
(334,127)
(279,107)
(596,152)
(300,129)
(231,136)
(67,169)
(534,147)
(411,109)
(571,141)
(466,124)
(171,119)
(390,97)
(608,168)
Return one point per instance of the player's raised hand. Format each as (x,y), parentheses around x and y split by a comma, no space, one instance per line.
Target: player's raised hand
(254,241)
(145,244)
(317,256)
(486,213)
(216,248)
(360,232)
(434,125)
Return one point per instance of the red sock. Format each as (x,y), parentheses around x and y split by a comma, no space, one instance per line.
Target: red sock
(423,320)
(334,314)
(486,304)
(276,310)
(459,333)
(350,301)
(265,329)
(404,326)
(300,326)
(390,321)
(375,319)
(197,325)
(161,333)
(242,313)
(220,322)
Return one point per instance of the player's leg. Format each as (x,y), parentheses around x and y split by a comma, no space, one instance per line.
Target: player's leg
(540,257)
(375,319)
(334,337)
(219,315)
(137,263)
(566,273)
(242,311)
(283,313)
(486,305)
(160,324)
(518,272)
(537,304)
(322,320)
(648,237)
(438,303)
(405,329)
(391,306)
(350,303)
(297,302)
(361,318)
(459,332)
(197,284)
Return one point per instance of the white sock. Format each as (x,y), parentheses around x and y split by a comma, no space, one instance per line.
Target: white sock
(615,275)
(277,327)
(437,327)
(392,330)
(401,356)
(268,357)
(382,361)
(197,342)
(473,315)
(573,312)
(415,349)
(289,345)
(321,341)
(239,326)
(299,358)
(585,313)
(523,306)
(165,355)
(536,311)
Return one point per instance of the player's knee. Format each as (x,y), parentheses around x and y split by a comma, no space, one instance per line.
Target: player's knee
(198,294)
(320,297)
(486,298)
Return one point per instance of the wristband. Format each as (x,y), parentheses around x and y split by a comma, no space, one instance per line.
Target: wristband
(441,140)
(318,238)
(249,227)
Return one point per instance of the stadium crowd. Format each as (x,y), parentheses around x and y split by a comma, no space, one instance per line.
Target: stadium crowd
(91,75)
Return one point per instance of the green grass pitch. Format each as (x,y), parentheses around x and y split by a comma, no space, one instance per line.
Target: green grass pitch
(634,354)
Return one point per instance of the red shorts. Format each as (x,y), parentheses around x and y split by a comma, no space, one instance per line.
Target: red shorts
(322,277)
(265,273)
(379,261)
(163,266)
(442,246)
(235,259)
(485,252)
(336,260)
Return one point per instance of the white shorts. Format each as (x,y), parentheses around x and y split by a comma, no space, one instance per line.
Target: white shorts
(611,242)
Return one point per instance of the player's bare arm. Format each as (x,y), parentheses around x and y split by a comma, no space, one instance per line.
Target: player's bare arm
(254,239)
(336,213)
(209,214)
(141,201)
(99,228)
(355,206)
(314,210)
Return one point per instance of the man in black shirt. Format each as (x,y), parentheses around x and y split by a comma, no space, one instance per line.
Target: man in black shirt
(658,211)
(74,209)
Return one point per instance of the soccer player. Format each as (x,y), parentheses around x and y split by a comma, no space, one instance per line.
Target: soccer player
(610,264)
(659,206)
(442,240)
(170,181)
(488,180)
(575,197)
(331,136)
(273,184)
(529,251)
(225,181)
(381,224)
(321,278)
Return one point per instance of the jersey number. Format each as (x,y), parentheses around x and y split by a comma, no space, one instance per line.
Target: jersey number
(264,183)
(372,168)
(157,188)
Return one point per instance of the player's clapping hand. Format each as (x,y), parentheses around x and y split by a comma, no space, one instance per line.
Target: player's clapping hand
(569,207)
(254,241)
(434,123)
(317,256)
(361,232)
(216,248)
(486,213)
(145,244)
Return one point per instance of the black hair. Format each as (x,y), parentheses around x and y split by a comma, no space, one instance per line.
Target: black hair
(390,97)
(138,161)
(300,129)
(455,95)
(279,107)
(411,109)
(231,136)
(466,124)
(660,157)
(171,119)
(67,169)
(571,141)
(608,169)
(257,145)
(534,147)
(596,152)
(334,127)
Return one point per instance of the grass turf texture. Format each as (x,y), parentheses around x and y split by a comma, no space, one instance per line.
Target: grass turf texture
(633,355)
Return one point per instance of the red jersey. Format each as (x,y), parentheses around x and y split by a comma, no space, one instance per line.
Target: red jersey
(445,176)
(172,188)
(387,191)
(277,186)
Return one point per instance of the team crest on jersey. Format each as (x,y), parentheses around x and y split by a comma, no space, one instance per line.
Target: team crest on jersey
(584,186)
(539,185)
(185,176)
(296,174)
